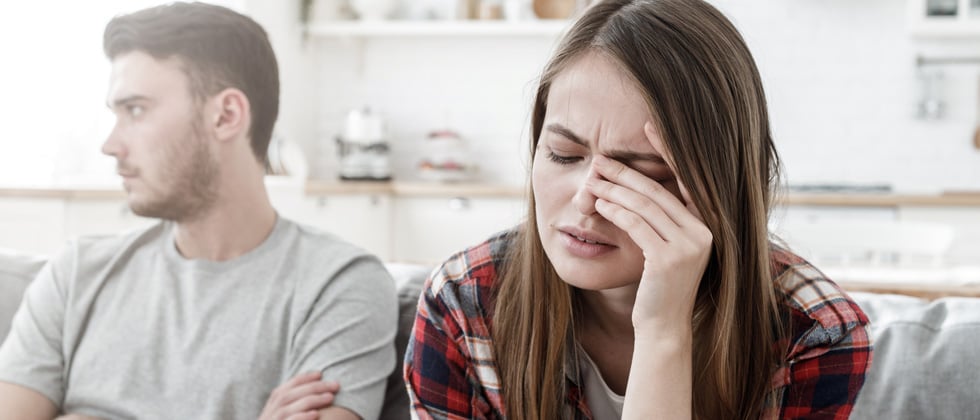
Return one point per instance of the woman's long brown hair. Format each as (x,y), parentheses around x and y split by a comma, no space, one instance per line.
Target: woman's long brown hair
(706,96)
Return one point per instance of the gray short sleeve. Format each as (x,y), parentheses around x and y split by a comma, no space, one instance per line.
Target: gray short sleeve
(32,356)
(349,334)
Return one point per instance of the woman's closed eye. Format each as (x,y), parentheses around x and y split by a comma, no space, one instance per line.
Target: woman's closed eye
(562,159)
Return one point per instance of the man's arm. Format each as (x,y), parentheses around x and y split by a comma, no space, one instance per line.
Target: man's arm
(338,413)
(348,336)
(22,403)
(31,359)
(305,397)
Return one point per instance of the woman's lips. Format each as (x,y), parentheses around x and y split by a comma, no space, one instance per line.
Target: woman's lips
(583,246)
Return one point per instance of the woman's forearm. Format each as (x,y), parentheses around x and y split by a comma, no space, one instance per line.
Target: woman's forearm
(660,382)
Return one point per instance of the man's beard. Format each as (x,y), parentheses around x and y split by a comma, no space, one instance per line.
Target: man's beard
(189,181)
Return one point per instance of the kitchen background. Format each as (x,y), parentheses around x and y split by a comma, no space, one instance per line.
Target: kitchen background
(841,76)
(853,111)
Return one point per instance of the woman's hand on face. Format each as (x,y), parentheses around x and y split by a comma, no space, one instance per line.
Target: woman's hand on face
(676,243)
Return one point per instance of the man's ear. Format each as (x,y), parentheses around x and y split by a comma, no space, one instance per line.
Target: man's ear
(231,114)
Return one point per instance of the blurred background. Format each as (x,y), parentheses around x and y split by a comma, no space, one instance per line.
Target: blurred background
(404,123)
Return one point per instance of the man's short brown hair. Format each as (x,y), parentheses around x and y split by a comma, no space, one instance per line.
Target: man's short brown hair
(218,48)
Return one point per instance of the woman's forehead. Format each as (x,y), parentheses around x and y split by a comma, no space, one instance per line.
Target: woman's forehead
(597,101)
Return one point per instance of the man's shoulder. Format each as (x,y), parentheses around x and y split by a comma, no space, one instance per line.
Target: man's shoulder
(321,257)
(99,250)
(317,245)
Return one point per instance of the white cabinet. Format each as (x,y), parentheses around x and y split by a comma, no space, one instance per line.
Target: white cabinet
(429,229)
(104,216)
(831,234)
(362,219)
(32,225)
(966,226)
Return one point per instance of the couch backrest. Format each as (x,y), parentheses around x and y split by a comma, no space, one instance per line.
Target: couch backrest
(925,363)
(16,272)
(409,279)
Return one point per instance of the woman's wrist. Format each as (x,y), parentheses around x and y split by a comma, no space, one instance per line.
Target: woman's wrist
(680,333)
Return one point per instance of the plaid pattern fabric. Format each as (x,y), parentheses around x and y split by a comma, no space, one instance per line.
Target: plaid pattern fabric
(450,371)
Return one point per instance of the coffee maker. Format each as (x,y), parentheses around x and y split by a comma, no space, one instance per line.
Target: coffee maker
(363,147)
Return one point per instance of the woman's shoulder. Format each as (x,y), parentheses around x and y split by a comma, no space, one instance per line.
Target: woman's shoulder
(820,312)
(467,277)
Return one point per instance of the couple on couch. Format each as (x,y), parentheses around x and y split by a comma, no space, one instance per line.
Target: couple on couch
(643,283)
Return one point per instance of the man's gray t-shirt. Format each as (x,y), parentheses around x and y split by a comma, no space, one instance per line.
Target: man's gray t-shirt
(124,327)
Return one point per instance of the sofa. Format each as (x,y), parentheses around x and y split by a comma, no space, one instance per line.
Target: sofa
(924,363)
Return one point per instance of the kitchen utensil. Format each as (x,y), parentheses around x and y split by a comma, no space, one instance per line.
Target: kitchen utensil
(446,159)
(363,148)
(554,9)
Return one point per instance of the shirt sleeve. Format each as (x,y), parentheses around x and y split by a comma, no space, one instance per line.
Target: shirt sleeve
(441,383)
(349,336)
(32,356)
(828,369)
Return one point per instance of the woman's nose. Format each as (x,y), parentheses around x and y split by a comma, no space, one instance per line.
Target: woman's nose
(584,200)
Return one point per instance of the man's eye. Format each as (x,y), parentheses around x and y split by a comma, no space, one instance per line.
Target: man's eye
(562,160)
(134,110)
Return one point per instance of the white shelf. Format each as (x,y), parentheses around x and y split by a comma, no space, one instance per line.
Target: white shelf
(438,28)
(932,28)
(964,24)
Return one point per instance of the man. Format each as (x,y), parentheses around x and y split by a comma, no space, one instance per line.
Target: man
(223,310)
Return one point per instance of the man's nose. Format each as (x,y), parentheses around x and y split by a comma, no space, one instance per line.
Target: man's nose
(112,146)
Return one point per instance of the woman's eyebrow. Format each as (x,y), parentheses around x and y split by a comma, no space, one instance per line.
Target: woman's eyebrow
(620,155)
(566,133)
(630,156)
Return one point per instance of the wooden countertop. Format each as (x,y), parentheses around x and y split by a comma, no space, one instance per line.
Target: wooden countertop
(95,193)
(929,282)
(425,189)
(920,290)
(964,198)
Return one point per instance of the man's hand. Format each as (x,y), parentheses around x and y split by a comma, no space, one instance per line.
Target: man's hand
(300,398)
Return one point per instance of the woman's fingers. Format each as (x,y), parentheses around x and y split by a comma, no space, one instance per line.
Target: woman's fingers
(649,213)
(654,139)
(635,226)
(620,174)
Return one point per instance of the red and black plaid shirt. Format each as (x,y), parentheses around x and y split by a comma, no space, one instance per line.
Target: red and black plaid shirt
(451,374)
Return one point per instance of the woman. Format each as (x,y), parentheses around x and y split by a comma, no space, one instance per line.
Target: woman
(643,283)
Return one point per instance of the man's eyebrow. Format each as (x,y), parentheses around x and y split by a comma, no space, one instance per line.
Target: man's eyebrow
(620,155)
(125,100)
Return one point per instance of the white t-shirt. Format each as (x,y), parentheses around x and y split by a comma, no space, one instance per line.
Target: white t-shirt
(124,327)
(603,402)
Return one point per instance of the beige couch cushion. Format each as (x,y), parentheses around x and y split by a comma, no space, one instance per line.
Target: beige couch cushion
(16,272)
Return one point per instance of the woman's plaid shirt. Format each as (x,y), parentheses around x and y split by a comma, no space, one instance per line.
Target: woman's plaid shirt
(451,374)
